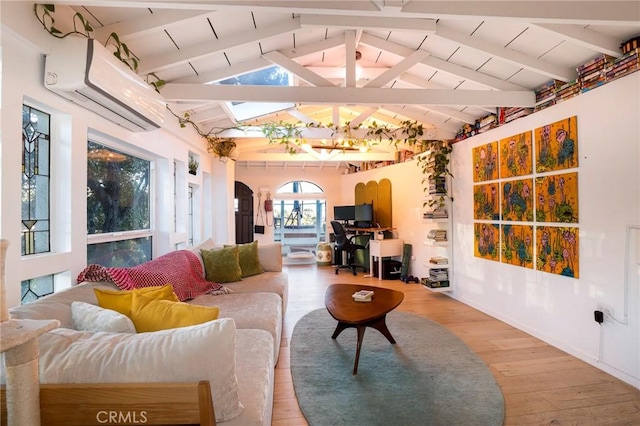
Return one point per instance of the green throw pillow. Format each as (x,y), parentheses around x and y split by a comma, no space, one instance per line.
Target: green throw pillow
(249,260)
(222,265)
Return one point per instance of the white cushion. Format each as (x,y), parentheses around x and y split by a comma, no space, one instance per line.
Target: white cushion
(188,354)
(270,255)
(88,317)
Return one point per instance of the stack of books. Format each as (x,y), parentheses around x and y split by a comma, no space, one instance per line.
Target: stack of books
(437,235)
(546,94)
(438,185)
(508,114)
(438,274)
(427,282)
(592,74)
(439,260)
(568,90)
(622,66)
(436,214)
(363,296)
(485,123)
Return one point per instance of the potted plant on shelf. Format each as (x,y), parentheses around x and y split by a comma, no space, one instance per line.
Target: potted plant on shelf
(193,166)
(435,168)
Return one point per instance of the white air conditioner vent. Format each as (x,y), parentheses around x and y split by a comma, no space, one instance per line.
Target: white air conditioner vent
(87,73)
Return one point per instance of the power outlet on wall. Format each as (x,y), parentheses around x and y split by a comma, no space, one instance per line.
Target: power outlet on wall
(607,310)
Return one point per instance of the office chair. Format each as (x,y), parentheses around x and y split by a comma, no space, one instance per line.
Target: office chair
(344,243)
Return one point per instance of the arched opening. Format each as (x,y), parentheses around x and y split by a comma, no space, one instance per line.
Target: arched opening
(299,215)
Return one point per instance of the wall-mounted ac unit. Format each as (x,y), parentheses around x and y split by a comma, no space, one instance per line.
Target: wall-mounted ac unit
(87,73)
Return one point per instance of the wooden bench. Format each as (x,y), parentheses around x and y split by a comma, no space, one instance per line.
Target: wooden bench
(83,404)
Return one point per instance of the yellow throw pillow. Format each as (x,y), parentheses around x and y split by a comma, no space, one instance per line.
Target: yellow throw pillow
(121,300)
(149,314)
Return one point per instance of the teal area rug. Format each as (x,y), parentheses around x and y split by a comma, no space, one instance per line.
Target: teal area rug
(430,377)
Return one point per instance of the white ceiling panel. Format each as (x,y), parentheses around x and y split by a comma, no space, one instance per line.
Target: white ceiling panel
(498,68)
(151,45)
(500,33)
(469,58)
(190,33)
(535,43)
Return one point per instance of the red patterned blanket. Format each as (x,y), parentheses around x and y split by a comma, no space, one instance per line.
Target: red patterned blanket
(180,268)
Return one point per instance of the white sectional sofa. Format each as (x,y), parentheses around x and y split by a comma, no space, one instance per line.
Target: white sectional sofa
(236,353)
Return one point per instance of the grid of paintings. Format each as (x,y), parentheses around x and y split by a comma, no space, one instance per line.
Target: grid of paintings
(525,207)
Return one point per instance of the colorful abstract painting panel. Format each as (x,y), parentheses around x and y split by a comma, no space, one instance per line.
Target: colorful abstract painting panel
(557,198)
(517,245)
(517,200)
(487,241)
(557,250)
(485,162)
(486,201)
(516,156)
(557,145)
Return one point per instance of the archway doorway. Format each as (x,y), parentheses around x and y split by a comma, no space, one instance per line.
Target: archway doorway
(299,212)
(243,206)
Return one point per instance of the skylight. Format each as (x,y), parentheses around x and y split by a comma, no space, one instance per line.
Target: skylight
(273,76)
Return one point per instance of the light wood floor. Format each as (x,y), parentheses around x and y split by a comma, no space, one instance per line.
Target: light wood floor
(541,385)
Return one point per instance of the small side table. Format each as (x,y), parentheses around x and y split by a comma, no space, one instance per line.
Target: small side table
(383,248)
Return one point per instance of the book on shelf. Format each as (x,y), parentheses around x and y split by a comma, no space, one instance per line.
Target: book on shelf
(438,274)
(436,214)
(439,260)
(437,235)
(434,284)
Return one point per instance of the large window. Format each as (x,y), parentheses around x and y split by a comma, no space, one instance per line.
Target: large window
(118,207)
(35,181)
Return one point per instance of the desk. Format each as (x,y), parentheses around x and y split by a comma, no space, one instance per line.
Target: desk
(355,230)
(383,248)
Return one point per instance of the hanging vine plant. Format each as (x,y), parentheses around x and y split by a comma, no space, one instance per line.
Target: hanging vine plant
(221,147)
(435,168)
(82,27)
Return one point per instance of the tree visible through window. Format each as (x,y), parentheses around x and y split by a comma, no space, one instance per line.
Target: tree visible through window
(35,181)
(118,201)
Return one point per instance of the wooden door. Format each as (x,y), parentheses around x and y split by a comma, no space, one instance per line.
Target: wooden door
(244,213)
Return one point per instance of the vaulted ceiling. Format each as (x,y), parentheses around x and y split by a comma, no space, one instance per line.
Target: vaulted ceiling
(441,63)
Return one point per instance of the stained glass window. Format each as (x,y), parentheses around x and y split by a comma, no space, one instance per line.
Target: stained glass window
(36,288)
(36,145)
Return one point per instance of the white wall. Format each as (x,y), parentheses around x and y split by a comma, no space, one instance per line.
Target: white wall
(23,44)
(554,308)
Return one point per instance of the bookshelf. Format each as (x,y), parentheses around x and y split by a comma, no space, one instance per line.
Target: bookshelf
(438,233)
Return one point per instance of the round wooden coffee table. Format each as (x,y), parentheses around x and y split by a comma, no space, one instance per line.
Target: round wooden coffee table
(360,315)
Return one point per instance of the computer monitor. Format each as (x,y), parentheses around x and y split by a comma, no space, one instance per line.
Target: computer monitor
(344,213)
(364,213)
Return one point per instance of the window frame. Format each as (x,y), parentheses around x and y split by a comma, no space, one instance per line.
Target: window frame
(130,150)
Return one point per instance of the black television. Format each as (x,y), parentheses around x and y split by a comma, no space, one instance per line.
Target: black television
(344,213)
(364,213)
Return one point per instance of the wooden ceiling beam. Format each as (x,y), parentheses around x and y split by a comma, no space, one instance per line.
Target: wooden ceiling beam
(297,69)
(508,55)
(346,95)
(440,64)
(145,25)
(584,37)
(368,23)
(166,60)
